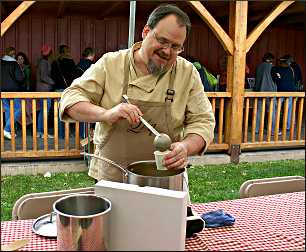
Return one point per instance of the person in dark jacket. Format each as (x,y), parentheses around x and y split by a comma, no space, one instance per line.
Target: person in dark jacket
(44,83)
(297,72)
(12,80)
(62,72)
(86,61)
(24,63)
(63,68)
(283,75)
(265,83)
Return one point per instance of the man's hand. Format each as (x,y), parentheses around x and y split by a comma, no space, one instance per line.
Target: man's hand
(126,111)
(87,112)
(177,158)
(193,144)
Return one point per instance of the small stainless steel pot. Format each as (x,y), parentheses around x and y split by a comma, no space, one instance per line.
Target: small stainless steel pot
(82,223)
(144,173)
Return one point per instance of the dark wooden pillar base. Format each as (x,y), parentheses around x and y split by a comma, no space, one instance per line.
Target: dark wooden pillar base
(235,152)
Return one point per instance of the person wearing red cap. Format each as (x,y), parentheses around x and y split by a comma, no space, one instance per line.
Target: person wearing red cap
(44,83)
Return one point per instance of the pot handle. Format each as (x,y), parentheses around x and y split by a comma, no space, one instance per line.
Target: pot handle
(124,171)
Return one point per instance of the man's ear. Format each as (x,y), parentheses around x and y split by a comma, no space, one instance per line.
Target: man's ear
(145,31)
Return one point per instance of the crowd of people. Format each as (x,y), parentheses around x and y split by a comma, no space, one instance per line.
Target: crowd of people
(284,76)
(53,73)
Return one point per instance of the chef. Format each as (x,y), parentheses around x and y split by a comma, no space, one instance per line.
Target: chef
(163,88)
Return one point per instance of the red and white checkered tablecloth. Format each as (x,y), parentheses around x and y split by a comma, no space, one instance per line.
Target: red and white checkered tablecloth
(271,223)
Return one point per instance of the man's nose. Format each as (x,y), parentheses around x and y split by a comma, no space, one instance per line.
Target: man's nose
(167,51)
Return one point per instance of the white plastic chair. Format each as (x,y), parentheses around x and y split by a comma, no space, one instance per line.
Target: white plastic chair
(34,205)
(268,186)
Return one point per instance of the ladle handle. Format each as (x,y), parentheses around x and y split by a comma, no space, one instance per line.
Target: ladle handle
(124,171)
(148,125)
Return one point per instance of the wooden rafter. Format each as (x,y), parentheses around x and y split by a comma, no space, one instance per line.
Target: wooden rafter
(221,35)
(258,30)
(108,10)
(15,15)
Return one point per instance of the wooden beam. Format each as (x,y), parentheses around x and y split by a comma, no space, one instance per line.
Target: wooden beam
(7,23)
(108,10)
(237,85)
(229,73)
(258,30)
(221,35)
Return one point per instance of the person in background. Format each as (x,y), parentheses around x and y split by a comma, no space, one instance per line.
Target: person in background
(283,75)
(265,83)
(24,63)
(223,73)
(62,72)
(63,68)
(12,80)
(163,87)
(44,83)
(86,61)
(297,72)
(201,70)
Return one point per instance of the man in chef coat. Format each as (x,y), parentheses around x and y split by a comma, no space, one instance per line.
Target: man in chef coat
(163,88)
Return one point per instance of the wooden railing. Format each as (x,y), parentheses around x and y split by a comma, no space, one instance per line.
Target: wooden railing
(218,101)
(268,108)
(29,146)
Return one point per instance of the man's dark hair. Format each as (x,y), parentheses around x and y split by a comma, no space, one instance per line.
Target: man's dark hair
(268,57)
(169,9)
(88,51)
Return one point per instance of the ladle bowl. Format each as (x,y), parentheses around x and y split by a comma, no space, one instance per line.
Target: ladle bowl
(162,142)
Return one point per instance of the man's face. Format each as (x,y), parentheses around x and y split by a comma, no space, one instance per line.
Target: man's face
(161,45)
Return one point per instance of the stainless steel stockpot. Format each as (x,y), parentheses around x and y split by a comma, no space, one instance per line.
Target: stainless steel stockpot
(145,173)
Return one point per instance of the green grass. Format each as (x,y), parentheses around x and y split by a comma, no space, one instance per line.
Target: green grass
(206,183)
(222,182)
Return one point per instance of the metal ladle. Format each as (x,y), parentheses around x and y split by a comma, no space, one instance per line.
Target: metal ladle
(161,141)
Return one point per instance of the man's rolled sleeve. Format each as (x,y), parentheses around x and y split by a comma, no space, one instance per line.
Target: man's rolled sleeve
(200,118)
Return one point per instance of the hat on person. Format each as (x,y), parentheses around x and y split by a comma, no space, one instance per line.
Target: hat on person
(45,50)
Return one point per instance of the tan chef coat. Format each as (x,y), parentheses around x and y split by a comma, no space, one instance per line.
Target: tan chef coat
(104,83)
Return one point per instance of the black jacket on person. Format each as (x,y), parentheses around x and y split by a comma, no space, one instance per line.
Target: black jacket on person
(82,66)
(12,76)
(62,72)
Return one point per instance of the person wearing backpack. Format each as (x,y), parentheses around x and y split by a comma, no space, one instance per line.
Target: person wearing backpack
(62,72)
(206,77)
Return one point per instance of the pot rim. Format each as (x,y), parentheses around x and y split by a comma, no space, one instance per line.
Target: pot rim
(182,170)
(82,216)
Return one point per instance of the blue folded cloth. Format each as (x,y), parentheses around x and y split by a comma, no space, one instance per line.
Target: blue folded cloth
(217,219)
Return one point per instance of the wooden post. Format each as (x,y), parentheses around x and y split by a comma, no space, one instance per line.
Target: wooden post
(236,86)
(229,73)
